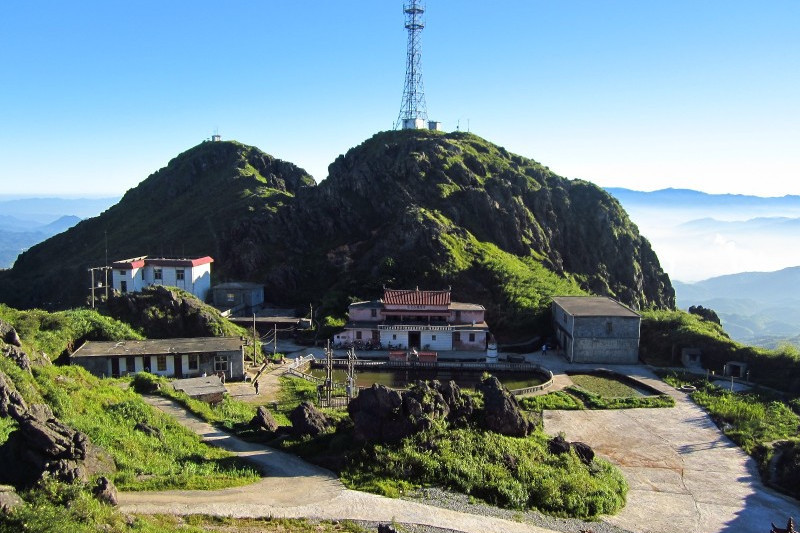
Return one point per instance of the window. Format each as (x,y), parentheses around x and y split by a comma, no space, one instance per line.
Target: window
(130,364)
(123,286)
(230,297)
(394,337)
(179,274)
(609,327)
(157,274)
(433,337)
(193,363)
(471,337)
(456,336)
(161,363)
(121,273)
(458,316)
(220,363)
(358,335)
(373,313)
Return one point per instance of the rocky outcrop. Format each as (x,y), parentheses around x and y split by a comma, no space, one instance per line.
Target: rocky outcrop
(105,491)
(19,357)
(501,411)
(559,445)
(381,414)
(43,446)
(9,499)
(162,312)
(9,335)
(263,419)
(308,420)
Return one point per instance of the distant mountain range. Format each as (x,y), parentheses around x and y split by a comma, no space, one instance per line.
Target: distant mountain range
(29,221)
(759,308)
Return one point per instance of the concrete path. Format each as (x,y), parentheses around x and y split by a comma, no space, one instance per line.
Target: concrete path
(684,474)
(296,489)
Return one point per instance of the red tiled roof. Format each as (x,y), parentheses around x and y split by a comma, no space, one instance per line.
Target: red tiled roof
(416,297)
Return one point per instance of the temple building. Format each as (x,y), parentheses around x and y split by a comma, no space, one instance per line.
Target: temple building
(423,320)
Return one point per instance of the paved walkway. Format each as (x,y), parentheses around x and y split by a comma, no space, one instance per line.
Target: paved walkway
(684,475)
(296,489)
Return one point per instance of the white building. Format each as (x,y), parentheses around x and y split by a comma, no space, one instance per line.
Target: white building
(191,275)
(426,320)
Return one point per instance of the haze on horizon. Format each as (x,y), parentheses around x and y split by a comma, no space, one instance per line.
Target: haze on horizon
(689,95)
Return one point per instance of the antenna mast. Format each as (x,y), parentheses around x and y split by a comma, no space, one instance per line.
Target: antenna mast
(413,113)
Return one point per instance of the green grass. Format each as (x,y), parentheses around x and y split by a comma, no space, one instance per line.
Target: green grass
(665,333)
(517,473)
(552,400)
(107,411)
(604,386)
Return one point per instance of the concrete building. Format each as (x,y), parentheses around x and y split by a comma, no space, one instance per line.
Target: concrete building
(238,298)
(425,320)
(191,275)
(596,329)
(179,358)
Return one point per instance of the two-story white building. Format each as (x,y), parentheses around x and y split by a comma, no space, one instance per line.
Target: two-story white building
(191,275)
(425,320)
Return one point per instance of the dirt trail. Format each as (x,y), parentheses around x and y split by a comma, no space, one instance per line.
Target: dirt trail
(293,488)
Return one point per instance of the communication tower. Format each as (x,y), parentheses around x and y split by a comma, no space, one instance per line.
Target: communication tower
(413,113)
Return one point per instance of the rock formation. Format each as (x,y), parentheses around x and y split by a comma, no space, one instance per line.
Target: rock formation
(308,420)
(501,411)
(43,446)
(263,419)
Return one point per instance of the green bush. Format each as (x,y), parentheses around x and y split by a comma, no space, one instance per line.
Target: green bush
(517,473)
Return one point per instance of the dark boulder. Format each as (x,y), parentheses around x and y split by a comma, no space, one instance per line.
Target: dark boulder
(501,411)
(558,445)
(148,430)
(264,420)
(584,452)
(9,335)
(381,414)
(308,420)
(105,491)
(387,528)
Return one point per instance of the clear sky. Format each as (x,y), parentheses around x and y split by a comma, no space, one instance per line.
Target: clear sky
(95,96)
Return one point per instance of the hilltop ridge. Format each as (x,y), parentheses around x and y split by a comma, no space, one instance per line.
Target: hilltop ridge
(404,208)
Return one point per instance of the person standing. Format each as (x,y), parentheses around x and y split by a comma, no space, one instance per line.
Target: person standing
(255,384)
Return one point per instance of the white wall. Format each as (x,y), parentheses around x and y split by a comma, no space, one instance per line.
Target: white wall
(443,341)
(401,338)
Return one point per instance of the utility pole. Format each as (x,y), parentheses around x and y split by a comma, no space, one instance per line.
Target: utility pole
(274,341)
(311,314)
(91,270)
(255,335)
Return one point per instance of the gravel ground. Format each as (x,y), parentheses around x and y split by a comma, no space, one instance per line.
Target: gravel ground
(463,503)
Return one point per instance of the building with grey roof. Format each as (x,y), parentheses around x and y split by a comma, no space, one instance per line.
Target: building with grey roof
(596,329)
(182,357)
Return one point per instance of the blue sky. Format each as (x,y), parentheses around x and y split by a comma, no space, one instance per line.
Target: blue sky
(95,96)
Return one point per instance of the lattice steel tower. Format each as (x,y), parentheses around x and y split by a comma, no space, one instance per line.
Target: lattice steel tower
(413,113)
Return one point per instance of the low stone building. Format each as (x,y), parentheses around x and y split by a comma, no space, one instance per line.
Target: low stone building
(187,357)
(238,298)
(596,329)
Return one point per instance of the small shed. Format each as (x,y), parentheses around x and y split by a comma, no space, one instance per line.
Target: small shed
(736,369)
(238,297)
(690,357)
(596,329)
(209,389)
